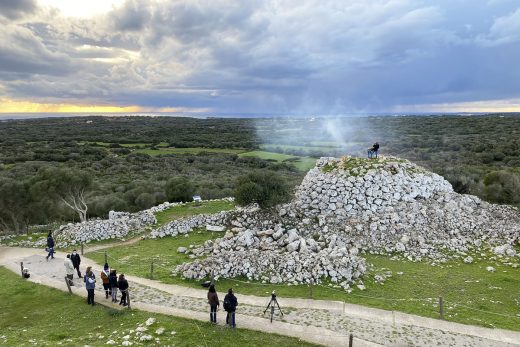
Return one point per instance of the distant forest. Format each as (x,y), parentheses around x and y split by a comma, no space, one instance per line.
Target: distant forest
(132,163)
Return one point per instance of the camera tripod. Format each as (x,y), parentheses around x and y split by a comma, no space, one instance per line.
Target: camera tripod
(271,304)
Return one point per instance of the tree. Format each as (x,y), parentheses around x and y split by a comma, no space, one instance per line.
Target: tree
(67,185)
(14,200)
(179,189)
(263,187)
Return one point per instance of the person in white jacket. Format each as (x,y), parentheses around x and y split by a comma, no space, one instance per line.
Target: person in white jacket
(69,269)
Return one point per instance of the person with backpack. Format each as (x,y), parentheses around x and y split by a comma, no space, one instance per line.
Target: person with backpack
(76,260)
(230,305)
(50,246)
(122,284)
(90,284)
(106,282)
(112,281)
(213,303)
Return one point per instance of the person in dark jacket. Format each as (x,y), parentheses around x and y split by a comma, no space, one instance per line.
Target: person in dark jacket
(373,151)
(230,305)
(76,260)
(122,284)
(90,284)
(213,303)
(50,246)
(112,280)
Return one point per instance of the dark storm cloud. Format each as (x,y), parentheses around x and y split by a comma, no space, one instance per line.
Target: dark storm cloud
(266,56)
(14,9)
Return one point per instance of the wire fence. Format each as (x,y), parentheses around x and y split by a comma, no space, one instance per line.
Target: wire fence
(436,306)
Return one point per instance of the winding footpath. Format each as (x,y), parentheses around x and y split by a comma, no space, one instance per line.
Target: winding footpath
(319,321)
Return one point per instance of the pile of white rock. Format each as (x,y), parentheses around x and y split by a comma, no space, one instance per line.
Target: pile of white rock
(186,225)
(351,206)
(117,226)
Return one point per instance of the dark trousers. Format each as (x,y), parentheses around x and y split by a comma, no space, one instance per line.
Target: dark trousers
(123,298)
(213,313)
(108,290)
(90,297)
(51,253)
(77,269)
(230,317)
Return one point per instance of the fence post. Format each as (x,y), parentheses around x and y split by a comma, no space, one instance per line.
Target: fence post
(310,288)
(68,284)
(212,277)
(441,308)
(21,268)
(128,297)
(151,270)
(82,245)
(106,257)
(350,340)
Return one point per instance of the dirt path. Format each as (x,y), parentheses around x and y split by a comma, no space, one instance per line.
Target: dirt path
(94,248)
(319,321)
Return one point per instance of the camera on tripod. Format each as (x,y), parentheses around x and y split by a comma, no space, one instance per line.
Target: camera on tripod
(271,305)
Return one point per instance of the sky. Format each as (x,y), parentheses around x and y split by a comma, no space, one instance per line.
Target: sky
(274,57)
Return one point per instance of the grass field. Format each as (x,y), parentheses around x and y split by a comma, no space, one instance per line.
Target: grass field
(193,208)
(415,291)
(33,314)
(197,150)
(301,163)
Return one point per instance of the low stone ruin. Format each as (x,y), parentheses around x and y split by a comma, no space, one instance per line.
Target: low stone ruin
(116,227)
(185,225)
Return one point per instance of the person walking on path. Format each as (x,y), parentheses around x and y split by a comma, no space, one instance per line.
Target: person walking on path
(106,282)
(112,281)
(230,305)
(90,284)
(76,260)
(50,246)
(122,284)
(213,303)
(69,269)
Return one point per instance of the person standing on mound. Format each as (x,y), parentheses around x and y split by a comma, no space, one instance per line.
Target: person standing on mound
(90,284)
(122,284)
(213,303)
(230,305)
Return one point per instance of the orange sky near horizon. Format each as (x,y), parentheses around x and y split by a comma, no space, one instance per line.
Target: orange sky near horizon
(17,106)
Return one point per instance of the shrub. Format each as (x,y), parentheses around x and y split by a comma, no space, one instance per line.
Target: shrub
(263,187)
(179,189)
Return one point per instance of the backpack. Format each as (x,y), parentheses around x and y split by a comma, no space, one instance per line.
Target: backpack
(227,303)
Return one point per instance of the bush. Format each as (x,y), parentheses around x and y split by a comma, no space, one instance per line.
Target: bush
(502,187)
(263,187)
(144,201)
(179,189)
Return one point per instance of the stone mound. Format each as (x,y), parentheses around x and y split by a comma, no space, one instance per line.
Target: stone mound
(350,206)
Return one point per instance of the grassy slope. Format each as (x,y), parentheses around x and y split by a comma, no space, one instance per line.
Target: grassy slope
(189,209)
(467,284)
(51,317)
(301,163)
(162,151)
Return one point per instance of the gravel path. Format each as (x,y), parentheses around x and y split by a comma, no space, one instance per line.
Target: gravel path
(312,315)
